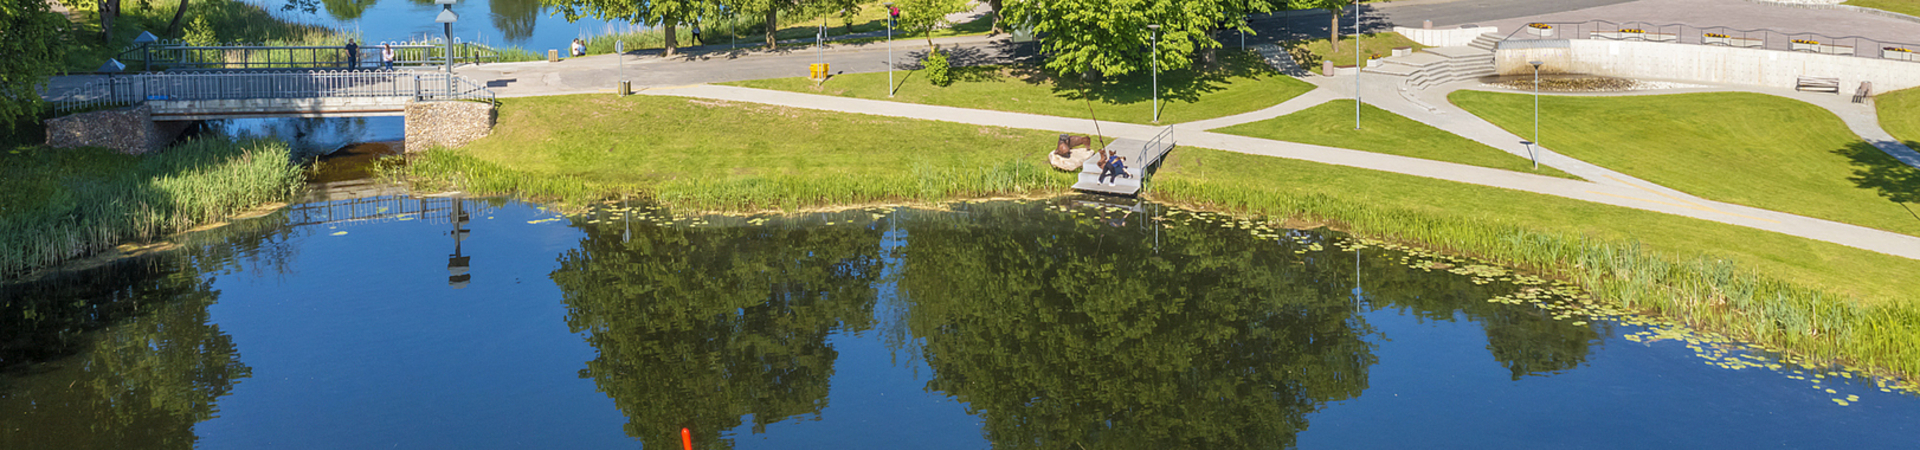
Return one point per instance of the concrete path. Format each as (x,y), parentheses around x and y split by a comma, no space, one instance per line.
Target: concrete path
(1622,191)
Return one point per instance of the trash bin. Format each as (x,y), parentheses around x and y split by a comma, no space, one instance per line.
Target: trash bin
(817,71)
(553,55)
(626,88)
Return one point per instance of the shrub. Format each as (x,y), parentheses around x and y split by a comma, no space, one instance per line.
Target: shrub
(937,68)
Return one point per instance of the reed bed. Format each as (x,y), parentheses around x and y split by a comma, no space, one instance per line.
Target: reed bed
(442,169)
(1704,293)
(69,203)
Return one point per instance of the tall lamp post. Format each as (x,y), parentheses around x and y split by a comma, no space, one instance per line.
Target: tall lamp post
(1155,48)
(1536,114)
(1356,66)
(892,14)
(446,20)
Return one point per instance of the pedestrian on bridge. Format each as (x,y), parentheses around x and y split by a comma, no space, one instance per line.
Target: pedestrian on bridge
(353,55)
(386,56)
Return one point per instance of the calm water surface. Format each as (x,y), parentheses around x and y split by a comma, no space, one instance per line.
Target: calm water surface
(522,23)
(372,323)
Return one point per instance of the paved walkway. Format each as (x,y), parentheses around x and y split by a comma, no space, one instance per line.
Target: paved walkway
(1617,190)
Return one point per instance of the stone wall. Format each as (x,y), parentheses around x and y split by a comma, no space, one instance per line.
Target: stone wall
(1702,63)
(128,130)
(447,124)
(1444,37)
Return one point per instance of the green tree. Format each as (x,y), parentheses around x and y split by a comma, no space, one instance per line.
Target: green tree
(698,328)
(30,37)
(666,14)
(1111,36)
(923,16)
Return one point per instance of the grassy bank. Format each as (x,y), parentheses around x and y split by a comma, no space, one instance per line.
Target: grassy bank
(1331,124)
(1899,113)
(225,20)
(59,204)
(1241,83)
(688,154)
(1824,301)
(1908,7)
(1310,53)
(1750,149)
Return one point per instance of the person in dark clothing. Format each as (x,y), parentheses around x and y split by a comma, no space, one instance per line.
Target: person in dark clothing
(1116,167)
(353,55)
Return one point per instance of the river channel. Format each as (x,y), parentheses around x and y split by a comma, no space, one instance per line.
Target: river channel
(361,319)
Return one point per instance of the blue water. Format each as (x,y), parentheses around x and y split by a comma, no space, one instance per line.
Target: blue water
(989,325)
(521,23)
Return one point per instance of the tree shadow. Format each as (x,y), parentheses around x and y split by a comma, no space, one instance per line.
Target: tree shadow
(1876,170)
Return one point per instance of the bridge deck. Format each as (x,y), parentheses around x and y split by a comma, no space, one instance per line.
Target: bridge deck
(1137,154)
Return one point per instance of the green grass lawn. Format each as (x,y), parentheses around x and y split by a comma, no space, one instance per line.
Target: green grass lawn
(689,153)
(1241,84)
(1750,149)
(1331,124)
(1908,7)
(1309,53)
(1670,265)
(1900,114)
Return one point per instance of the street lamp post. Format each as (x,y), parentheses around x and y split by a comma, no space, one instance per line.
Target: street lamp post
(1356,66)
(891,15)
(1536,114)
(446,20)
(1155,48)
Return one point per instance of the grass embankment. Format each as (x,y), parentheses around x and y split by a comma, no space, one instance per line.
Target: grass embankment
(1908,7)
(59,204)
(227,20)
(1750,149)
(691,155)
(751,31)
(1899,113)
(1815,299)
(1331,124)
(1309,53)
(1241,83)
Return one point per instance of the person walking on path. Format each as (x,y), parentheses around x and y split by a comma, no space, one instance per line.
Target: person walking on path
(353,55)
(696,35)
(386,56)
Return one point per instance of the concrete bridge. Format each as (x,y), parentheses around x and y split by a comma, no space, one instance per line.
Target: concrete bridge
(119,111)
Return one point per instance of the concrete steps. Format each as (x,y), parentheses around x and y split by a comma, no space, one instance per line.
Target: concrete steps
(1441,65)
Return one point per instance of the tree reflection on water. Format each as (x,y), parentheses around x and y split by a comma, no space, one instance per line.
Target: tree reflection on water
(1056,330)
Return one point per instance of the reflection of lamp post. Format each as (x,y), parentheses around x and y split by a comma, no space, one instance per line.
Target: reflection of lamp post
(1536,114)
(457,264)
(1155,48)
(446,20)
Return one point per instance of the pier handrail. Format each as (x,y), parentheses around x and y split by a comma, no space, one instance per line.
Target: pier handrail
(129,90)
(177,55)
(1158,147)
(1679,33)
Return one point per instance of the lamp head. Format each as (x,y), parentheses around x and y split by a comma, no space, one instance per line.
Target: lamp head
(443,2)
(446,16)
(1536,64)
(1154,26)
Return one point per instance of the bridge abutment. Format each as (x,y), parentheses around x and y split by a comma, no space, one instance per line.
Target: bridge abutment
(128,130)
(447,123)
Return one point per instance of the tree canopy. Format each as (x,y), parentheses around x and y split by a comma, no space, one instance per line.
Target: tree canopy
(1111,36)
(30,36)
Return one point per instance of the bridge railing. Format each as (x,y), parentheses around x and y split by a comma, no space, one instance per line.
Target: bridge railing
(177,55)
(1157,147)
(128,90)
(1761,38)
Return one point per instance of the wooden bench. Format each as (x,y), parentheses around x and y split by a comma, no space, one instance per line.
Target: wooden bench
(1818,84)
(1865,92)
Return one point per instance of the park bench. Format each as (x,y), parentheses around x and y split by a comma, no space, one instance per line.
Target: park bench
(1865,92)
(1818,84)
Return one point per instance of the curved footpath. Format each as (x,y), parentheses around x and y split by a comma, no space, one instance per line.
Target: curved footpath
(1615,189)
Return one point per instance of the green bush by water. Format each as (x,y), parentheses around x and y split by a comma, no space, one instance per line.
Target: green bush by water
(60,204)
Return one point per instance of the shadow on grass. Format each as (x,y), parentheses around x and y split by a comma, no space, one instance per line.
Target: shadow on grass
(1876,170)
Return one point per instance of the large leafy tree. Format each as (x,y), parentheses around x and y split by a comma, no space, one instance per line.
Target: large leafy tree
(1111,36)
(666,14)
(30,36)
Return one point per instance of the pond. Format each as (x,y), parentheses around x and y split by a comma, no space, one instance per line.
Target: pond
(516,23)
(1067,323)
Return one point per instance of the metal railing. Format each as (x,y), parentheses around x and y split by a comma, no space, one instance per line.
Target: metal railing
(1762,38)
(129,90)
(176,55)
(1157,147)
